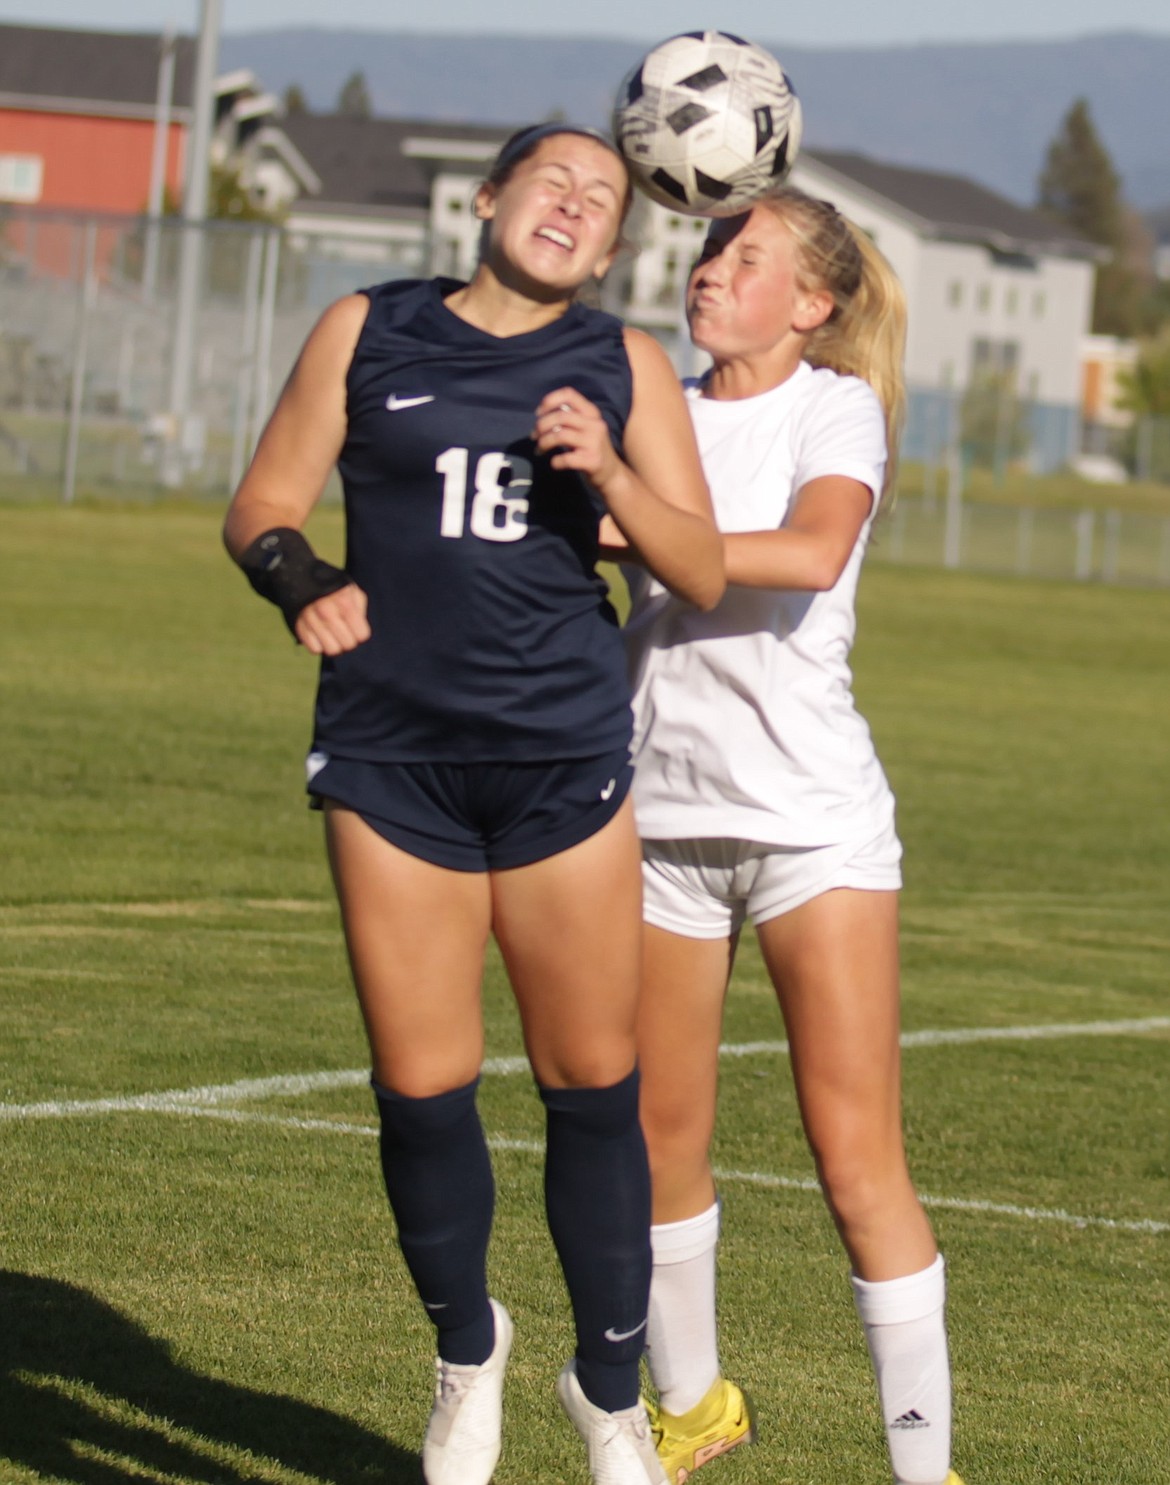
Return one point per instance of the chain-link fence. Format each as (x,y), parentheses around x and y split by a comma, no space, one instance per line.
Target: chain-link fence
(138,355)
(1111,546)
(115,380)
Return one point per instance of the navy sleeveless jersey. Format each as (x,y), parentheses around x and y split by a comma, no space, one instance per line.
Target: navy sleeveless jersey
(493,638)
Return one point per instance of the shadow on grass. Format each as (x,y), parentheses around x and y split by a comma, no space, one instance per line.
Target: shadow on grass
(90,1398)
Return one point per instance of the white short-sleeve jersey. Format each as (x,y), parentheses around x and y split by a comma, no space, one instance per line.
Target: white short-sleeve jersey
(744,721)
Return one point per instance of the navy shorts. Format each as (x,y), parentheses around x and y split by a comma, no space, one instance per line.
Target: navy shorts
(477,816)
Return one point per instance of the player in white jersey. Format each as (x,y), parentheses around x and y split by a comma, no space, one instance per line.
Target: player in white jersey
(759,796)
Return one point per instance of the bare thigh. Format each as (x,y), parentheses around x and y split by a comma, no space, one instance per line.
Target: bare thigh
(834,963)
(680,1022)
(416,935)
(569,928)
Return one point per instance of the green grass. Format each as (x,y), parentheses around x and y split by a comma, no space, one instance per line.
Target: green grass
(195,1300)
(1061,490)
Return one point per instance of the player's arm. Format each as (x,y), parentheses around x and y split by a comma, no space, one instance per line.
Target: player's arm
(810,551)
(657,495)
(283,483)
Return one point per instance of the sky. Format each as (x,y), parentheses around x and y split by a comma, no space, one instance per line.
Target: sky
(842,23)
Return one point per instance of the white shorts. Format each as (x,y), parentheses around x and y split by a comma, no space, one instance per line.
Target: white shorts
(707,888)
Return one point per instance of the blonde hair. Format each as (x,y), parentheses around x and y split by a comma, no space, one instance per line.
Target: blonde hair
(865,333)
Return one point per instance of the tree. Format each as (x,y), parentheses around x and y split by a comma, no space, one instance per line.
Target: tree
(227,200)
(994,424)
(1145,388)
(354,98)
(1079,185)
(294,99)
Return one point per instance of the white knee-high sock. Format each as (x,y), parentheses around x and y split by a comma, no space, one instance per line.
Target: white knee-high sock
(906,1332)
(681,1342)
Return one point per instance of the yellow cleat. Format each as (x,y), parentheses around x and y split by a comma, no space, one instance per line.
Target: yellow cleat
(952,1479)
(718,1423)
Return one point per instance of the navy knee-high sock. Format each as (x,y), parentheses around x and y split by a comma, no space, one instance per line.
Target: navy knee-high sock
(439,1180)
(597,1190)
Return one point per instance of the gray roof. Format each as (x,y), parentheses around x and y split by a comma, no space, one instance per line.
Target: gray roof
(961,210)
(361,161)
(107,72)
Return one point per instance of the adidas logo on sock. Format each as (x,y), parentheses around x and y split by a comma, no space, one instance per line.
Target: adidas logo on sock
(912,1419)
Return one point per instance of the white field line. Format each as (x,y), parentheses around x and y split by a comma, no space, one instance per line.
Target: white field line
(959,1204)
(743,1177)
(209,1103)
(964,1035)
(172,1100)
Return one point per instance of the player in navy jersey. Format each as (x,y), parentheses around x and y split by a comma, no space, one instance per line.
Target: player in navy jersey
(471,739)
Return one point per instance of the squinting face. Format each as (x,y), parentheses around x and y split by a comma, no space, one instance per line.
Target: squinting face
(556,219)
(743,297)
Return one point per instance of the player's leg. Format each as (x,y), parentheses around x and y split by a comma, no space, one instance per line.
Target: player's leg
(699,1414)
(569,928)
(834,962)
(416,934)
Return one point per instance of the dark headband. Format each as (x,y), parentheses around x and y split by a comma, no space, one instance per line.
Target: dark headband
(521,142)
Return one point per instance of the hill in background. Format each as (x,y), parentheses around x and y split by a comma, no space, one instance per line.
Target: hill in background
(986,111)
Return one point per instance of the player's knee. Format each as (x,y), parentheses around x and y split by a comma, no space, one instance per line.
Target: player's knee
(676,1140)
(859,1188)
(595,1063)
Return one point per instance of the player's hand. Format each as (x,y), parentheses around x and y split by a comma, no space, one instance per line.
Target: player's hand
(334,624)
(571,429)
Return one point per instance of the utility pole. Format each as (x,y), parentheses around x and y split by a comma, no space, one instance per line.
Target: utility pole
(158,163)
(181,436)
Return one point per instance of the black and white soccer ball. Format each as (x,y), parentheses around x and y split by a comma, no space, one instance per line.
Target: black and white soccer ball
(707,123)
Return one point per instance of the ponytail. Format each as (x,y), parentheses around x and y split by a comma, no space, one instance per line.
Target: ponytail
(865,334)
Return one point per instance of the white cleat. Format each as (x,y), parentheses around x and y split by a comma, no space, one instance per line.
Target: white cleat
(621,1445)
(462,1441)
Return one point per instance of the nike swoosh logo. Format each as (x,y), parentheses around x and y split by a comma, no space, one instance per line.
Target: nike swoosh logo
(624,1335)
(394,403)
(607,793)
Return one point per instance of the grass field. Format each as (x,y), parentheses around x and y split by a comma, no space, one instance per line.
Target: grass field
(199,1281)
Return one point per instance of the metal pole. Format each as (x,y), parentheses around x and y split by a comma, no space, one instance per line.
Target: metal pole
(245,376)
(262,386)
(195,194)
(1111,561)
(1083,524)
(953,513)
(158,160)
(1145,446)
(80,354)
(1024,541)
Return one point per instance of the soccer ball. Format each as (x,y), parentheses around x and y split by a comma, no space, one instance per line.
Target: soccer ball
(707,123)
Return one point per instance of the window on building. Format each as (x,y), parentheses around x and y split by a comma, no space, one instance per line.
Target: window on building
(454,206)
(983,297)
(1039,304)
(995,358)
(669,288)
(955,293)
(1011,301)
(21,178)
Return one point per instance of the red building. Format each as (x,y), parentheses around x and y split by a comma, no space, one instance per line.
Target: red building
(78,113)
